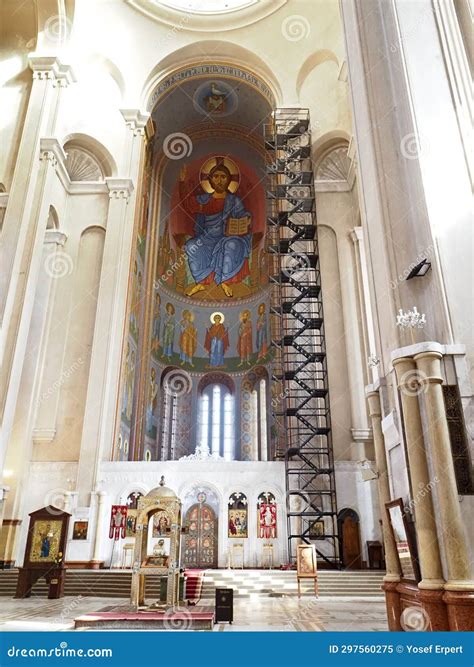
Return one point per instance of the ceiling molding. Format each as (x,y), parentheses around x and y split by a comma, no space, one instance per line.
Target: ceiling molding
(232,19)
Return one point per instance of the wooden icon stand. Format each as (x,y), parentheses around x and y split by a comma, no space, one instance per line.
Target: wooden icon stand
(306,566)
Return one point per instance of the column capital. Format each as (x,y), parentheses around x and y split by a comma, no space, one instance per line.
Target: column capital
(373,401)
(51,68)
(51,151)
(429,367)
(136,120)
(119,188)
(55,236)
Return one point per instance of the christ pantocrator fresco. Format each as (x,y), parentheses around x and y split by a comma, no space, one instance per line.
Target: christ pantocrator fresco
(220,249)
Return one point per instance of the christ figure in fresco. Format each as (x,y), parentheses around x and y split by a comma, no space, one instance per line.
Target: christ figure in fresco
(217,342)
(187,339)
(244,343)
(215,255)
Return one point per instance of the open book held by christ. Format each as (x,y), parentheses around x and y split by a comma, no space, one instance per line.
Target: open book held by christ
(237,226)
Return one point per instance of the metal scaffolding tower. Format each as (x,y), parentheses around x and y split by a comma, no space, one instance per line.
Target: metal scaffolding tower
(300,379)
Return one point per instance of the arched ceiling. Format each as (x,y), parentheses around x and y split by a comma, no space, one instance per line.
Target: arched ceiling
(187,105)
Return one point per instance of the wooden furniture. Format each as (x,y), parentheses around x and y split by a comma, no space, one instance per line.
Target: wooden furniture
(224,605)
(44,553)
(306,566)
(375,555)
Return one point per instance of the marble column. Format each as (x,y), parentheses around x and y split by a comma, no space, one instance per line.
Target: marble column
(432,583)
(392,576)
(459,587)
(99,528)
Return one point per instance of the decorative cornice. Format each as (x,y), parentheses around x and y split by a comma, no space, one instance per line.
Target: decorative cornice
(136,120)
(55,236)
(119,188)
(42,436)
(51,150)
(51,68)
(427,346)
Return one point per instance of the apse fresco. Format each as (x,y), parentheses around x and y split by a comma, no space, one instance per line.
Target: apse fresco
(200,339)
(212,242)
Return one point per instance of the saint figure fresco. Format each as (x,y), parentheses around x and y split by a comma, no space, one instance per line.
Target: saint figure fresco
(217,341)
(168,331)
(187,338)
(244,344)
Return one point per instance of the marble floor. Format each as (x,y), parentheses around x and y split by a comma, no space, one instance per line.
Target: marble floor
(250,614)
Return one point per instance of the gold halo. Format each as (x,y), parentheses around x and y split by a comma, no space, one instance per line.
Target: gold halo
(222,316)
(209,165)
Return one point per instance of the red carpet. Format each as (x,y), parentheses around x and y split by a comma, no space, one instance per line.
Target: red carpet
(194,579)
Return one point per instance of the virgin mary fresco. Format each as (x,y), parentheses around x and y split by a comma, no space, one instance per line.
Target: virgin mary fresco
(220,249)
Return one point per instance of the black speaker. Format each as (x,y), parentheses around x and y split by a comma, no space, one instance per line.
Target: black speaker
(224,605)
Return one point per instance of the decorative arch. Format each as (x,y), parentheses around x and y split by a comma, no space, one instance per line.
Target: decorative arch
(313,61)
(53,219)
(230,61)
(90,160)
(216,378)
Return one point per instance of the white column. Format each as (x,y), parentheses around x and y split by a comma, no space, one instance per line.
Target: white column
(14,333)
(49,76)
(99,525)
(364,295)
(352,336)
(104,378)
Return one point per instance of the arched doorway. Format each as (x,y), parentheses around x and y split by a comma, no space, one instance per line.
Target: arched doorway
(200,537)
(349,531)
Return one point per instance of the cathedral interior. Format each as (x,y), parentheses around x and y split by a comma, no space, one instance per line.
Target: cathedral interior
(232,273)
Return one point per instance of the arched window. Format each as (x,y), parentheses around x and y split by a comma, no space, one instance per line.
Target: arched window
(216,418)
(175,412)
(255,408)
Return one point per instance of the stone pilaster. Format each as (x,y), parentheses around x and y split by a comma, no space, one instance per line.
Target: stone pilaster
(392,576)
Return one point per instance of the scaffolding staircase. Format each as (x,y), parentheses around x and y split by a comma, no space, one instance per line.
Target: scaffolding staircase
(302,434)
